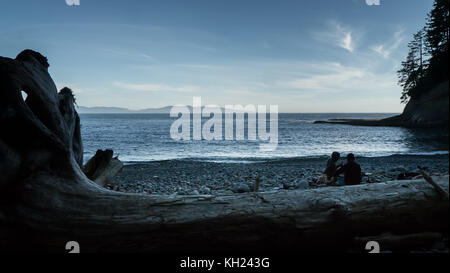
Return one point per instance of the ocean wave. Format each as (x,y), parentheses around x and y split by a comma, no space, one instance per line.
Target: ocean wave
(252,160)
(424,153)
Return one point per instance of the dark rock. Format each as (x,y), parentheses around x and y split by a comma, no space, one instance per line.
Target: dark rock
(288,185)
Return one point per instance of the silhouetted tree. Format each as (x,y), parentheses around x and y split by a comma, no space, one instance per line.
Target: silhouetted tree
(427,61)
(413,69)
(437,37)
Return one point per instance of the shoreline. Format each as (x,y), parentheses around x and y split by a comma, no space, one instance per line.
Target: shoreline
(193,177)
(255,160)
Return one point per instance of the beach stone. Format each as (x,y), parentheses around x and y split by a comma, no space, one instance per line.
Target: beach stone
(302,184)
(240,188)
(184,177)
(250,185)
(288,185)
(194,192)
(205,190)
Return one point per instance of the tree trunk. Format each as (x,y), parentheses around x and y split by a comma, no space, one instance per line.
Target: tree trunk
(47,200)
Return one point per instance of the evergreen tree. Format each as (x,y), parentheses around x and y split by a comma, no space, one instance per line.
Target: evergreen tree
(437,38)
(412,73)
(427,61)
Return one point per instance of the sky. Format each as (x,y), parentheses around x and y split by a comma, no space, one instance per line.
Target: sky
(304,56)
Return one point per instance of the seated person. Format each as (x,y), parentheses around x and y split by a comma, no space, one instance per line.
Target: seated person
(330,176)
(351,171)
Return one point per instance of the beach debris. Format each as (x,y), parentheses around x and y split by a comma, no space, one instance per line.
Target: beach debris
(430,180)
(407,175)
(256,184)
(102,167)
(112,187)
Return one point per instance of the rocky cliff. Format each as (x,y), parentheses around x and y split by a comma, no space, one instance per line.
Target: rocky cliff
(430,110)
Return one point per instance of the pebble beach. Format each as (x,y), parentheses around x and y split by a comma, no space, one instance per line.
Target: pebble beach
(193,177)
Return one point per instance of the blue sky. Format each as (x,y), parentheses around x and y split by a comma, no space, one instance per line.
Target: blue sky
(305,56)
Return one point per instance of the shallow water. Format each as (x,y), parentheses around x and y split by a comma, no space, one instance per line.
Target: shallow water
(146,137)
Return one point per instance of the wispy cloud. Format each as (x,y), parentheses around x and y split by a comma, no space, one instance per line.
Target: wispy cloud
(327,82)
(381,50)
(337,78)
(197,66)
(347,42)
(130,55)
(151,87)
(385,50)
(312,85)
(265,77)
(339,35)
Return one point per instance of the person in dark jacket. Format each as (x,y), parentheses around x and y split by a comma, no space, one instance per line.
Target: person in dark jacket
(351,171)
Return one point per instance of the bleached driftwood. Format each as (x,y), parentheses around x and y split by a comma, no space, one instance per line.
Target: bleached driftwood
(430,181)
(47,200)
(102,167)
(389,241)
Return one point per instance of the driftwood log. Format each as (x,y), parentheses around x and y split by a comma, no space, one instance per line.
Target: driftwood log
(102,167)
(430,180)
(392,242)
(47,200)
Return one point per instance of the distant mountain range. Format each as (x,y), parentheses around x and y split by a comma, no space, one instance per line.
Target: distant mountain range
(119,110)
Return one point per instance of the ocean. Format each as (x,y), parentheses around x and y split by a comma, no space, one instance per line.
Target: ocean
(146,137)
